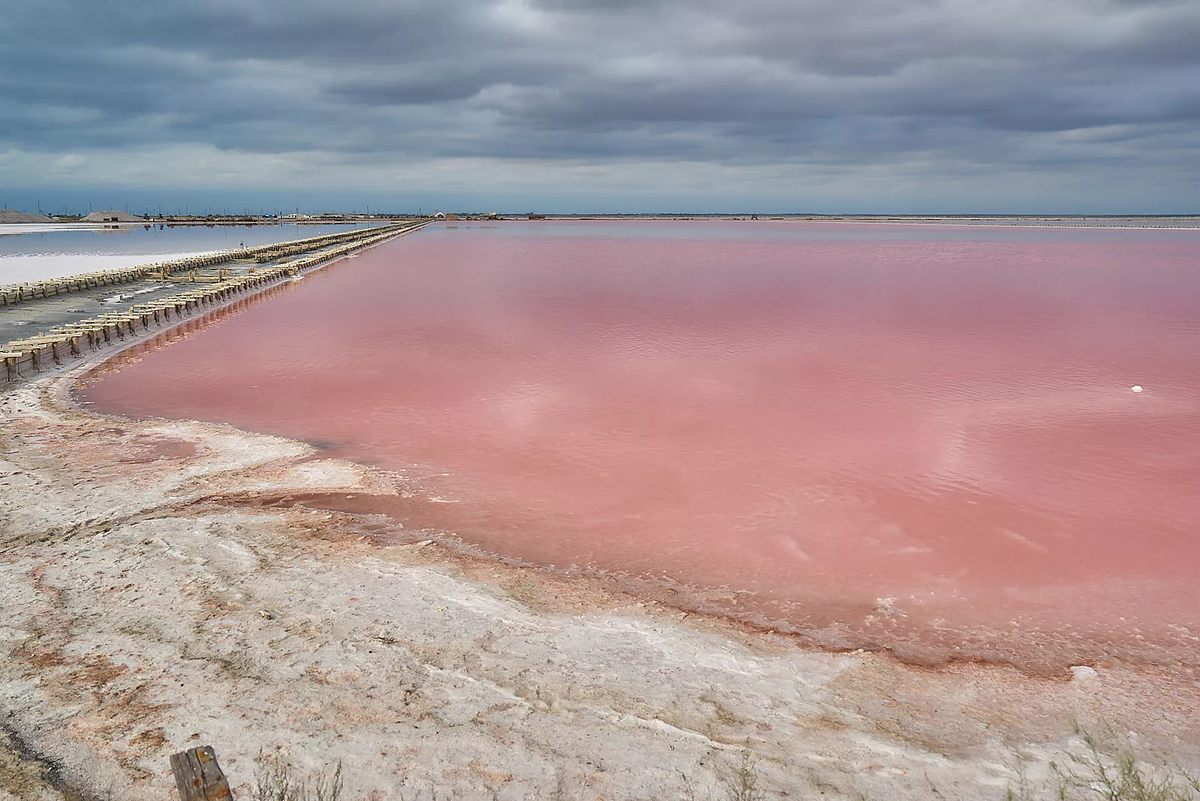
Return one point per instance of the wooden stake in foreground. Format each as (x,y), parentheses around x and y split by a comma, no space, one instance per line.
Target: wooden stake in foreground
(198,777)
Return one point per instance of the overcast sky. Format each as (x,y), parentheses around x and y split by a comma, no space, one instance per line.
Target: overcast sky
(1085,106)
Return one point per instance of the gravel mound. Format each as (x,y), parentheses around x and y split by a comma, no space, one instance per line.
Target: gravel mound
(8,217)
(111,215)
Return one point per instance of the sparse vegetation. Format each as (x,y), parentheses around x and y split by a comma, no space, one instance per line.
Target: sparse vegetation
(1108,768)
(1104,766)
(1100,765)
(741,781)
(276,780)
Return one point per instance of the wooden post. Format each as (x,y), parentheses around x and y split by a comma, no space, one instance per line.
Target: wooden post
(198,777)
(10,364)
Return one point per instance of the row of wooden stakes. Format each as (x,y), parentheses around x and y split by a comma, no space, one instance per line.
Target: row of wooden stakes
(283,249)
(95,332)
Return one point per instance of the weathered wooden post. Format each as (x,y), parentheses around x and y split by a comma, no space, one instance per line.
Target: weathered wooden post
(198,777)
(10,364)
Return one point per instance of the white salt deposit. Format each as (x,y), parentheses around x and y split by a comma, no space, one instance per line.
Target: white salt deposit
(15,269)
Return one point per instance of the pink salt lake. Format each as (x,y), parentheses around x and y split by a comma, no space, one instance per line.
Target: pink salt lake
(907,436)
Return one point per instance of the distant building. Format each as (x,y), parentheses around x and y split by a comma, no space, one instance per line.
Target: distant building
(451,216)
(439,215)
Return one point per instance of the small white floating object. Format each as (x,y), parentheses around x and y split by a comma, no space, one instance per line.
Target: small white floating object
(1136,388)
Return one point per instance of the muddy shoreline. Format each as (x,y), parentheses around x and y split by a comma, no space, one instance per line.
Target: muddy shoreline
(150,600)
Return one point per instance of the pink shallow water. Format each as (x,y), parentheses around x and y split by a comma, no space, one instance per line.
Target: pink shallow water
(921,437)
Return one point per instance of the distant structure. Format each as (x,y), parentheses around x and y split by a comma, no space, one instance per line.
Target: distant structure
(10,217)
(439,215)
(111,216)
(450,216)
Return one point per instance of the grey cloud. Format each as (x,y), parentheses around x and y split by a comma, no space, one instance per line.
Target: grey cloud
(763,81)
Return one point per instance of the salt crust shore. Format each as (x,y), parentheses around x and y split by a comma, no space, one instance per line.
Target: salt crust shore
(145,608)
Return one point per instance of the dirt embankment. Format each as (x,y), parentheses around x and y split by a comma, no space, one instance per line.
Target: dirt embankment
(147,607)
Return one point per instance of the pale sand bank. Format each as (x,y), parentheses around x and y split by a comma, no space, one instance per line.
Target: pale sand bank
(144,610)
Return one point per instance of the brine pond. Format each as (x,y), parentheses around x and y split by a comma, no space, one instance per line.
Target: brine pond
(950,441)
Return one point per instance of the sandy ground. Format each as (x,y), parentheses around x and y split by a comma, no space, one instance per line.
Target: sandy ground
(148,605)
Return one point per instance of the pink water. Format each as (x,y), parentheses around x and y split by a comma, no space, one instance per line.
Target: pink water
(916,437)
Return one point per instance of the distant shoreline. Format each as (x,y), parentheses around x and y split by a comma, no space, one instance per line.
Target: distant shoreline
(1154,221)
(1157,222)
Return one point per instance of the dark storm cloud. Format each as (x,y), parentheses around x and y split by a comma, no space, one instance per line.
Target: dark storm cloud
(757,81)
